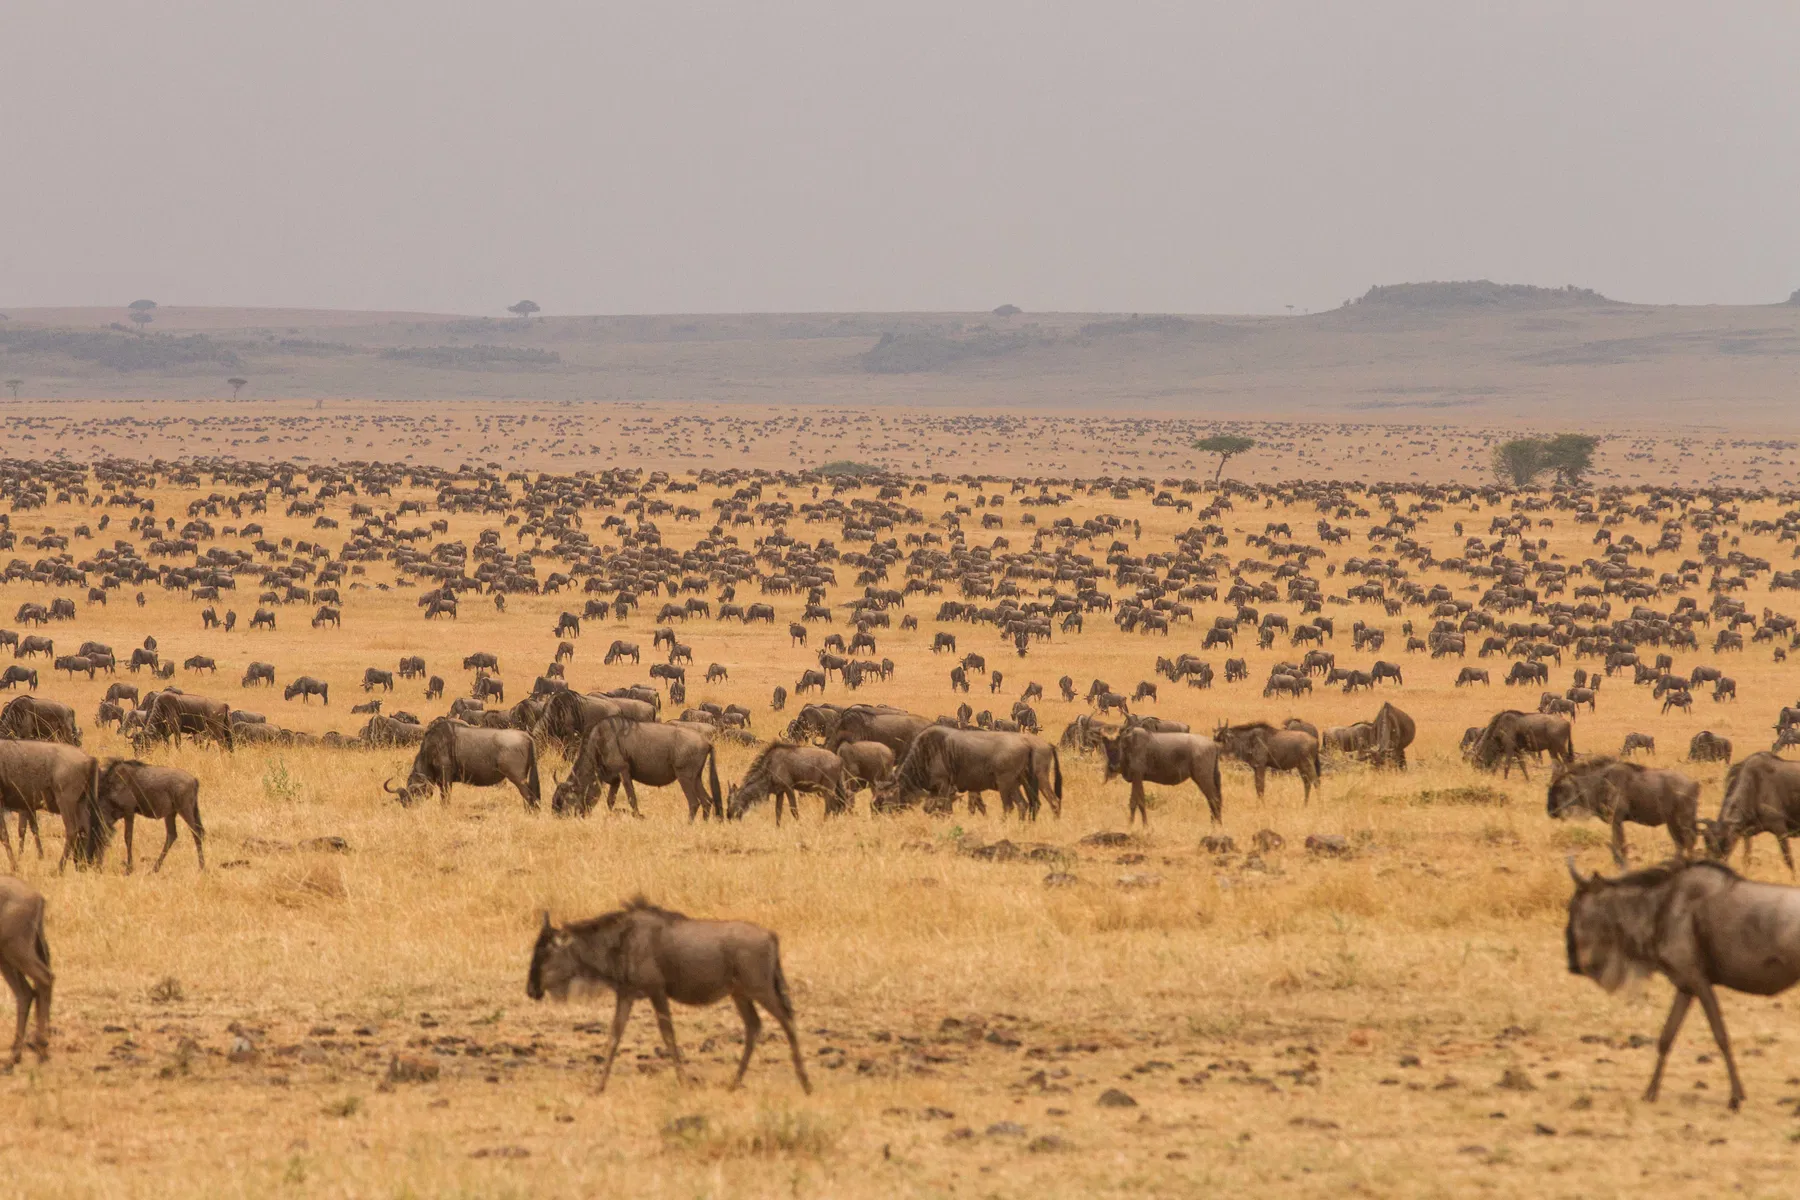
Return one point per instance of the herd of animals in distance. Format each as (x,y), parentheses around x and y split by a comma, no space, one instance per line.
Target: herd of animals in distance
(1235,600)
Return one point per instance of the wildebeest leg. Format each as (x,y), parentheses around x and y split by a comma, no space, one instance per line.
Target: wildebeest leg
(1709,1002)
(1618,837)
(752,1028)
(793,798)
(130,829)
(977,804)
(199,833)
(1137,806)
(621,1014)
(1671,1027)
(169,823)
(781,1005)
(1261,779)
(1781,839)
(665,1023)
(631,794)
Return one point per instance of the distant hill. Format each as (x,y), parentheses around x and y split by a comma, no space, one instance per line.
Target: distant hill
(1479,293)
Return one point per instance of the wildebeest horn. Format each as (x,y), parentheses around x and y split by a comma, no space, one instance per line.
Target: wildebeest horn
(547,925)
(1574,874)
(387,785)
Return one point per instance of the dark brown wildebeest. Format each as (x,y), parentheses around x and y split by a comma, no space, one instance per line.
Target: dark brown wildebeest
(1621,792)
(866,764)
(34,645)
(25,963)
(412,667)
(380,731)
(451,753)
(108,713)
(1263,748)
(618,751)
(716,672)
(365,708)
(39,720)
(486,687)
(141,658)
(1762,795)
(620,649)
(1168,759)
(1394,732)
(1708,746)
(55,778)
(307,687)
(568,623)
(778,700)
(374,677)
(15,675)
(809,680)
(568,716)
(262,618)
(434,687)
(327,615)
(481,662)
(169,714)
(893,727)
(648,953)
(132,789)
(783,771)
(1635,742)
(1510,735)
(257,673)
(1353,739)
(943,760)
(1700,925)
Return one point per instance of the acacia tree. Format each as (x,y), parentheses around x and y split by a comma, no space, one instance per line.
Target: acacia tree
(141,317)
(15,384)
(1570,455)
(237,385)
(1519,461)
(523,308)
(1227,446)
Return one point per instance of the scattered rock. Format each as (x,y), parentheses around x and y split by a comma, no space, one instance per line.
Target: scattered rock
(1312,1123)
(1218,844)
(1266,840)
(1006,1129)
(1140,879)
(1000,851)
(1048,1143)
(166,990)
(409,1068)
(1107,838)
(1114,1098)
(242,1051)
(501,1152)
(326,845)
(256,845)
(937,1114)
(1331,845)
(1129,860)
(1057,879)
(687,1126)
(1543,1130)
(1513,1079)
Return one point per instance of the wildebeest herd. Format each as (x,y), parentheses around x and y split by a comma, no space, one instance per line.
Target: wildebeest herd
(886,574)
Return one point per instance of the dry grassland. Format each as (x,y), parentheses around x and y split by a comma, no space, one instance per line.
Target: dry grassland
(1397,1022)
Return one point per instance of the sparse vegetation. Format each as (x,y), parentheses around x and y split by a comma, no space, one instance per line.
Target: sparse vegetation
(473,358)
(1227,446)
(523,309)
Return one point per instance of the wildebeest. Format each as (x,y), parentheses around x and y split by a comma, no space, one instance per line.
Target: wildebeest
(1510,735)
(1762,795)
(481,662)
(892,727)
(39,720)
(25,964)
(262,618)
(451,753)
(131,789)
(379,731)
(1620,792)
(258,672)
(15,675)
(374,677)
(170,714)
(1263,748)
(1635,742)
(866,764)
(1707,746)
(1169,759)
(620,649)
(35,645)
(56,778)
(412,667)
(942,761)
(784,771)
(644,952)
(621,752)
(434,687)
(307,687)
(1699,924)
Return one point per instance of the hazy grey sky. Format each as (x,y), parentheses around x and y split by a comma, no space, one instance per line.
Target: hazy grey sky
(664,156)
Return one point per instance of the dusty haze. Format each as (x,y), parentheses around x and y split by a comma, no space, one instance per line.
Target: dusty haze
(606,158)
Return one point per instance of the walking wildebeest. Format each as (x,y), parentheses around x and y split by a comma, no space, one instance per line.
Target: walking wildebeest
(451,753)
(1511,734)
(1762,795)
(25,964)
(1620,792)
(784,771)
(131,789)
(56,778)
(1263,748)
(645,952)
(1700,925)
(1168,759)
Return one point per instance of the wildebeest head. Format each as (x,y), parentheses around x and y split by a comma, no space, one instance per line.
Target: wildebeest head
(1610,932)
(416,789)
(1566,794)
(553,965)
(1110,746)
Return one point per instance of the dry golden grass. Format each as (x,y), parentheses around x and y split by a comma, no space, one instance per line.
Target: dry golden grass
(1399,1021)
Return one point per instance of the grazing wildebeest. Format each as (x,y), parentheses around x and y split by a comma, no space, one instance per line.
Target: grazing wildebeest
(779,698)
(25,964)
(1511,734)
(327,616)
(568,623)
(141,658)
(451,752)
(1620,792)
(716,672)
(374,677)
(1708,746)
(1394,732)
(1635,742)
(481,662)
(1263,748)
(1762,795)
(645,952)
(15,675)
(108,714)
(307,687)
(1699,924)
(866,764)
(618,751)
(262,618)
(39,720)
(434,687)
(131,789)
(943,760)
(367,707)
(33,645)
(169,714)
(620,649)
(808,680)
(784,771)
(1138,755)
(412,667)
(258,672)
(56,778)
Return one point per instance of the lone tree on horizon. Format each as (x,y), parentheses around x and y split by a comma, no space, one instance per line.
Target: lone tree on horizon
(15,384)
(141,317)
(237,385)
(524,308)
(1227,446)
(1521,461)
(141,305)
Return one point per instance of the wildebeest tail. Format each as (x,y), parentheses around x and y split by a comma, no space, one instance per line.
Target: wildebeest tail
(1056,773)
(43,944)
(781,987)
(712,780)
(534,794)
(92,831)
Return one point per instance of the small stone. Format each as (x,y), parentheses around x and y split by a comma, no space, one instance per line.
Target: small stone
(1006,1129)
(686,1126)
(326,845)
(1331,845)
(1514,1079)
(1106,838)
(1218,844)
(1060,879)
(1140,879)
(409,1068)
(1266,840)
(1114,1098)
(1543,1130)
(242,1051)
(1048,1143)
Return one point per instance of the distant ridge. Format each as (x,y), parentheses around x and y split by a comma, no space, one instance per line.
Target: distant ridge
(1479,293)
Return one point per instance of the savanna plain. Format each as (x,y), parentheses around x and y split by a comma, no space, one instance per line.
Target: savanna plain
(1393,1016)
